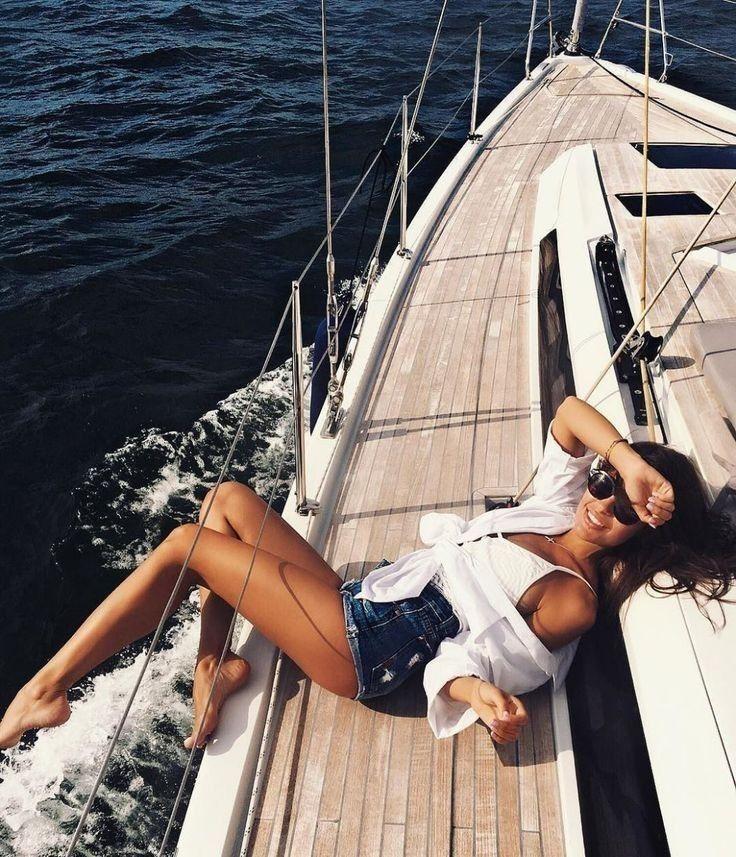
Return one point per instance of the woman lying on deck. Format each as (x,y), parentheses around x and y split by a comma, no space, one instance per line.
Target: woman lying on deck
(489,617)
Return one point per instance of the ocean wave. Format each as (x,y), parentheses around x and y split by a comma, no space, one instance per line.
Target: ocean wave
(43,787)
(128,502)
(122,509)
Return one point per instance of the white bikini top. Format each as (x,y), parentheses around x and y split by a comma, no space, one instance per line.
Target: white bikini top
(515,567)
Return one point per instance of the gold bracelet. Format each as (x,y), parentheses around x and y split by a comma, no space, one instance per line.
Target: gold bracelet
(613,443)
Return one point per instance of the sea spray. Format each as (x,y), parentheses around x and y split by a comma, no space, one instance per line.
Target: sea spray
(122,509)
(45,785)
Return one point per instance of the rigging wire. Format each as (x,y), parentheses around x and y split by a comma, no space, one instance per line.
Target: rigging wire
(410,132)
(644,200)
(463,42)
(645,312)
(464,102)
(159,630)
(355,192)
(269,508)
(679,39)
(157,634)
(681,113)
(226,648)
(386,164)
(170,603)
(395,195)
(331,304)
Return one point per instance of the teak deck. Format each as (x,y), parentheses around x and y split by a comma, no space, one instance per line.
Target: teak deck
(449,416)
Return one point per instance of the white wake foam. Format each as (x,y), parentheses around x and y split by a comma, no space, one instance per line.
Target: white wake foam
(123,506)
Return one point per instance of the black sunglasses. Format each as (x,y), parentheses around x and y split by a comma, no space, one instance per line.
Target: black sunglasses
(602,484)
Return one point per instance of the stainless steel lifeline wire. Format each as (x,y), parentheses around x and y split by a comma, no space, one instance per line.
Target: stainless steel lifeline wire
(170,603)
(393,199)
(116,735)
(226,649)
(464,42)
(711,51)
(159,630)
(617,19)
(334,393)
(355,192)
(643,370)
(465,101)
(644,313)
(223,471)
(415,113)
(372,268)
(291,432)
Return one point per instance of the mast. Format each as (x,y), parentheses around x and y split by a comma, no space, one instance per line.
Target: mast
(578,21)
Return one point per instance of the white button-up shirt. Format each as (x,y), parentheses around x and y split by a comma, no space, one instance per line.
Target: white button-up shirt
(498,645)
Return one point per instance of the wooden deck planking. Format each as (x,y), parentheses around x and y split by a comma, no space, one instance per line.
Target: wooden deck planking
(374,795)
(283,825)
(440,815)
(279,759)
(486,806)
(310,791)
(348,838)
(528,801)
(463,781)
(531,845)
(393,840)
(325,840)
(462,842)
(449,414)
(420,784)
(330,807)
(507,785)
(540,710)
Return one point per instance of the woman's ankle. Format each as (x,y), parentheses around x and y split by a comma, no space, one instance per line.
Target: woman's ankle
(210,658)
(46,684)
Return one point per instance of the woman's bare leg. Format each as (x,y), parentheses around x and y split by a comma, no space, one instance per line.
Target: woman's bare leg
(239,513)
(299,612)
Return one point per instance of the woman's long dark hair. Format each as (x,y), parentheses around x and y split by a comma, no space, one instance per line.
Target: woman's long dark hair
(697,548)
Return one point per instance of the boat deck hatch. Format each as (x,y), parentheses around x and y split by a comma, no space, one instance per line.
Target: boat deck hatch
(664,204)
(694,156)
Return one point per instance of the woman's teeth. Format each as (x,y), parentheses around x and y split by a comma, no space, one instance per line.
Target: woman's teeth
(593,521)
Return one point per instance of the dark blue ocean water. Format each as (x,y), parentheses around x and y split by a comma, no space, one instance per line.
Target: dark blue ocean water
(162,184)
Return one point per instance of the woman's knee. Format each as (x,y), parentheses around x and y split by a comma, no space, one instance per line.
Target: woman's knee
(179,541)
(229,495)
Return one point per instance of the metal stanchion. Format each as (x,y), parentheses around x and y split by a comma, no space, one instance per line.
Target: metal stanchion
(473,135)
(304,506)
(403,249)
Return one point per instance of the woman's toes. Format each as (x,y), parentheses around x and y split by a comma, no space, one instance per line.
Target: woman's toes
(207,702)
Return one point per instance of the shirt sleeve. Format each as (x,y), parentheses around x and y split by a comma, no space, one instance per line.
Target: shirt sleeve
(454,658)
(561,478)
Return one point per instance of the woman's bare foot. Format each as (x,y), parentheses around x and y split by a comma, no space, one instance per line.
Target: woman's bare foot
(34,707)
(234,674)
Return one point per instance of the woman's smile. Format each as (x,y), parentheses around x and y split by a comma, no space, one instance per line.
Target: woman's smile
(593,521)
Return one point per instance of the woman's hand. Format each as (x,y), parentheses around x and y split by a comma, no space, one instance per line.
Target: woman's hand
(651,495)
(502,713)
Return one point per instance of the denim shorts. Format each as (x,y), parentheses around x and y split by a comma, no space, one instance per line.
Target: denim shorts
(391,640)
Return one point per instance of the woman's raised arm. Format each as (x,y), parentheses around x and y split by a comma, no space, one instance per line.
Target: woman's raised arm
(578,425)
